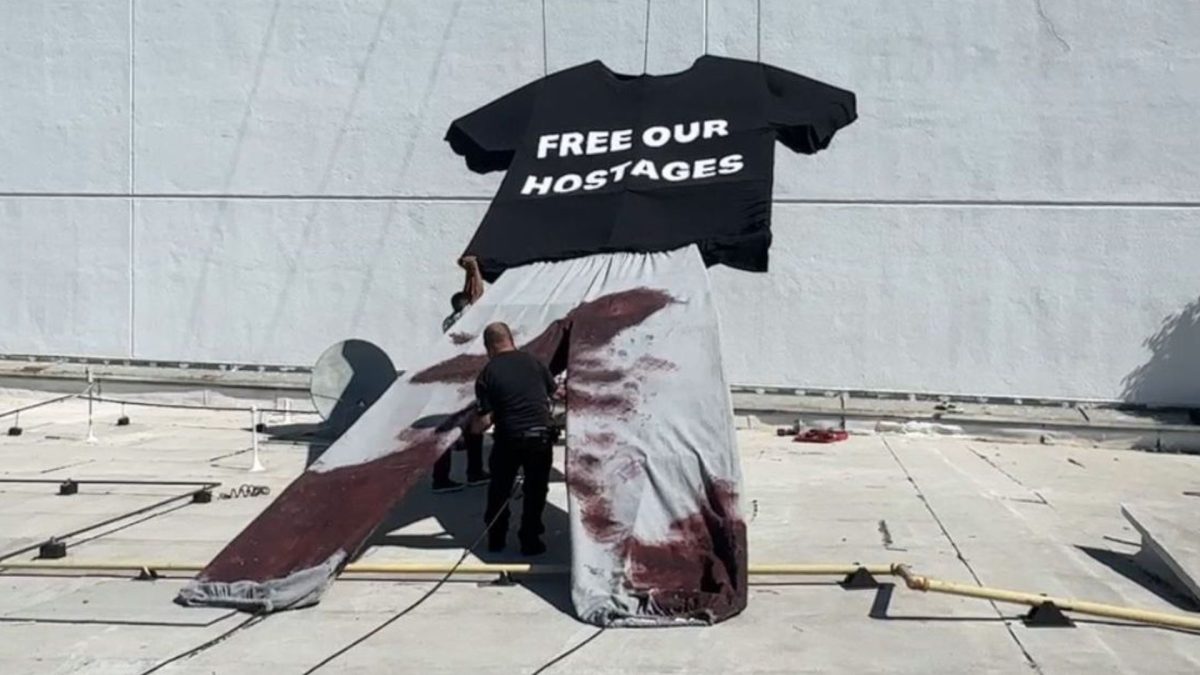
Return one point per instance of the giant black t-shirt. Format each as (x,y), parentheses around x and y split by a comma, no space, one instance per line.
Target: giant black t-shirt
(515,388)
(599,161)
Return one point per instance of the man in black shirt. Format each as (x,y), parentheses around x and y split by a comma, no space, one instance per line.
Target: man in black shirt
(513,392)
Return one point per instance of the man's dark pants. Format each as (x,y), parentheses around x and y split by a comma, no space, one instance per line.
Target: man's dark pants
(533,453)
(474,445)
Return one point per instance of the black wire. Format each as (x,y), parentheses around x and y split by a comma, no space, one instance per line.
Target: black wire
(392,619)
(417,603)
(199,648)
(561,657)
(246,490)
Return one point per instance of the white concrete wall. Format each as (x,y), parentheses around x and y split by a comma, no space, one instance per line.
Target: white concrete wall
(1017,211)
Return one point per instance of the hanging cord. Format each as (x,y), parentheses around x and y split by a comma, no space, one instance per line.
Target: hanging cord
(246,490)
(440,582)
(563,656)
(257,618)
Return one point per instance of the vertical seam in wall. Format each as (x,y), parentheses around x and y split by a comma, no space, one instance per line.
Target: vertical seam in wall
(545,49)
(758,32)
(132,179)
(646,42)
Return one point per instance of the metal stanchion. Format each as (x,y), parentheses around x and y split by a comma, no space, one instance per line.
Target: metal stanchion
(256,466)
(91,425)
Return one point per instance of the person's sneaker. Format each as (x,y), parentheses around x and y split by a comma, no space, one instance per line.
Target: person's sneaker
(535,547)
(442,487)
(482,478)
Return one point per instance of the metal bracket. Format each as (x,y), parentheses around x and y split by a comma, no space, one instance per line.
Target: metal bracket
(68,487)
(146,574)
(503,579)
(204,496)
(15,431)
(1047,615)
(859,579)
(123,421)
(52,550)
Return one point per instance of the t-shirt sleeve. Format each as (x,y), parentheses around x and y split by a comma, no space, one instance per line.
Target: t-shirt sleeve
(488,137)
(482,403)
(805,112)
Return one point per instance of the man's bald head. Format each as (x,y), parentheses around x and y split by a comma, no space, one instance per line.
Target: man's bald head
(497,338)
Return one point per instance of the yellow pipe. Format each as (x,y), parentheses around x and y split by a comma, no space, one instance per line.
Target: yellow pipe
(922,583)
(784,569)
(354,568)
(913,581)
(465,568)
(797,569)
(780,569)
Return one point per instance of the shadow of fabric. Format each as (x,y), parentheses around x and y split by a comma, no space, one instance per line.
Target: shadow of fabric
(1126,565)
(881,605)
(316,437)
(371,374)
(1171,376)
(460,518)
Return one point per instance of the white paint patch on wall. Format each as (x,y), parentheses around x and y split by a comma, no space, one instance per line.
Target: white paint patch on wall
(1016,212)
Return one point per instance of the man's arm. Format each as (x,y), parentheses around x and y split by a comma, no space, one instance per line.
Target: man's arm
(479,422)
(473,285)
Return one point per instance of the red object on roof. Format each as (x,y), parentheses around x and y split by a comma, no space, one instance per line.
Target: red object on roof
(821,436)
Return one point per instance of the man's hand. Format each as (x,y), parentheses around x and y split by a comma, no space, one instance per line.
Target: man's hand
(479,423)
(468,263)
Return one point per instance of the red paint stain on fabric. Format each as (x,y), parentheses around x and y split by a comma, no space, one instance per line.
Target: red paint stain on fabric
(699,571)
(595,461)
(648,362)
(458,369)
(585,362)
(323,512)
(592,324)
(596,323)
(597,375)
(618,406)
(595,509)
(548,346)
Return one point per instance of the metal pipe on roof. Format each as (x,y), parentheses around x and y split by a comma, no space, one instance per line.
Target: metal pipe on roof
(16,411)
(776,569)
(191,406)
(115,481)
(917,582)
(914,581)
(58,539)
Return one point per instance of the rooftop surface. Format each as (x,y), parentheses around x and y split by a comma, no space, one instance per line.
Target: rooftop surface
(1030,517)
